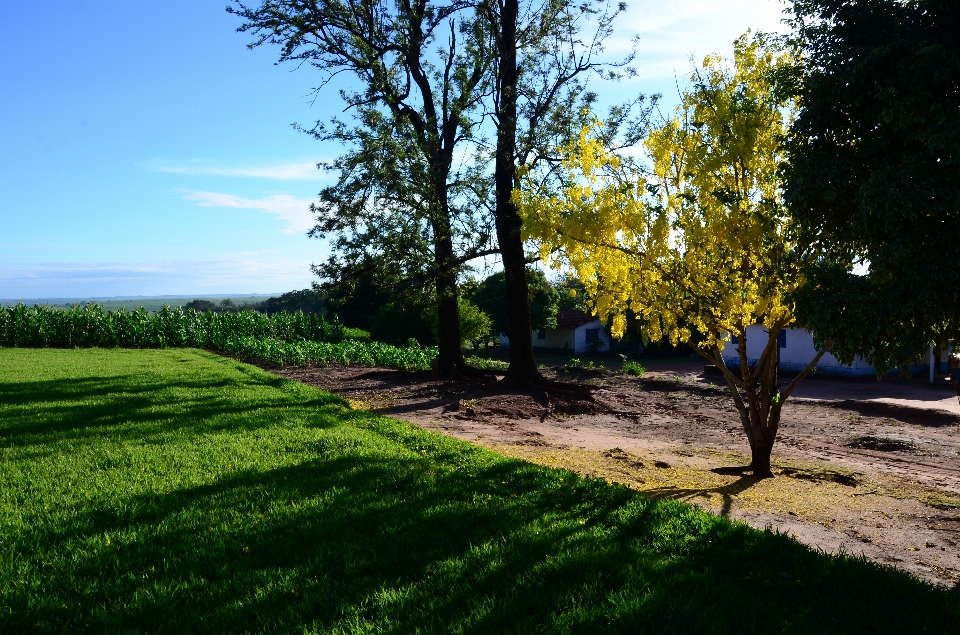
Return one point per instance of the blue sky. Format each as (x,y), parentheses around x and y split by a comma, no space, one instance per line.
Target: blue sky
(145,151)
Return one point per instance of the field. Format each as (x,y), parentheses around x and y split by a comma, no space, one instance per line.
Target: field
(179,491)
(151,303)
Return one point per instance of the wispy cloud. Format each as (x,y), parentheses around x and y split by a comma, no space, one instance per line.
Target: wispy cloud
(671,33)
(294,211)
(296,171)
(240,272)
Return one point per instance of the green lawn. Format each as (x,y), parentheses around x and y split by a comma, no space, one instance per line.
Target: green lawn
(178,491)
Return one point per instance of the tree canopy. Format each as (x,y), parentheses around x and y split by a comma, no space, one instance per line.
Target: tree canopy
(491,297)
(423,71)
(696,239)
(874,174)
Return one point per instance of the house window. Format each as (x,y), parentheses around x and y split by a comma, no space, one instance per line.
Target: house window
(783,338)
(733,339)
(593,335)
(541,335)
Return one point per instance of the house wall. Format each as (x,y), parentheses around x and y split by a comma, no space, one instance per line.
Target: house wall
(796,355)
(581,338)
(555,338)
(574,340)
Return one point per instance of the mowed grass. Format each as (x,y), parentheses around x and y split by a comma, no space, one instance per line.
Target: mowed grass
(178,491)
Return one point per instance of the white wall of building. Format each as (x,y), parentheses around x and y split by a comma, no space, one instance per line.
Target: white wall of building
(575,340)
(580,338)
(797,353)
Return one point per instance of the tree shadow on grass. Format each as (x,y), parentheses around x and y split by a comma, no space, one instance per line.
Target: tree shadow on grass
(351,542)
(370,524)
(73,409)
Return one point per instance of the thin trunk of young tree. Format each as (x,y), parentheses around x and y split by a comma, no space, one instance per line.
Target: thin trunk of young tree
(757,395)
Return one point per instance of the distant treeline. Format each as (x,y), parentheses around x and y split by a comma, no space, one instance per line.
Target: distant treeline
(306,300)
(91,325)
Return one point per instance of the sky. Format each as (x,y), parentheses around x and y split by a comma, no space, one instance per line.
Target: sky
(144,150)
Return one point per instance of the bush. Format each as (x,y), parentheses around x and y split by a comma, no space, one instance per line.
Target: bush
(356,334)
(632,367)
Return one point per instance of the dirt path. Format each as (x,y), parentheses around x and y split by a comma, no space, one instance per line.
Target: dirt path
(866,467)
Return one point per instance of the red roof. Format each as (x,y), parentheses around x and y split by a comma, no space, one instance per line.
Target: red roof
(573,319)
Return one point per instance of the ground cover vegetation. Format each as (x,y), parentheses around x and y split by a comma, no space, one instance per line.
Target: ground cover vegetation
(282,338)
(179,491)
(696,241)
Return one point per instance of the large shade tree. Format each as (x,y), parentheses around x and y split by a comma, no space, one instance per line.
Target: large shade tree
(491,296)
(421,69)
(543,58)
(874,174)
(695,240)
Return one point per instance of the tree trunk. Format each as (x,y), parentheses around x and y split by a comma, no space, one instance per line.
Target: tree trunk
(760,450)
(523,367)
(449,356)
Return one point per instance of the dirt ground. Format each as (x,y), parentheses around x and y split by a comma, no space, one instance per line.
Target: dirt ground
(862,466)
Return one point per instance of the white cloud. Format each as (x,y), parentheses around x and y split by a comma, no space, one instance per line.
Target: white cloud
(294,211)
(297,171)
(672,32)
(241,272)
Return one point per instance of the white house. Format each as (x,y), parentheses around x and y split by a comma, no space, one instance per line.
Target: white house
(796,351)
(576,331)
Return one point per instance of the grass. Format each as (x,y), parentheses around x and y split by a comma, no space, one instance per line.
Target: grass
(178,491)
(550,358)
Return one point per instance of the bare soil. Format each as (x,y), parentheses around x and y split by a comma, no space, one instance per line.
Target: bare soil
(864,467)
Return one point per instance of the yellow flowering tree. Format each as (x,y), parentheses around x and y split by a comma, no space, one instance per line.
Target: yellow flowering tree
(693,237)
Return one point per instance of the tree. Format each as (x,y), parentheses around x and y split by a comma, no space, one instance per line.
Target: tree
(373,297)
(540,95)
(874,174)
(474,322)
(306,300)
(422,68)
(699,242)
(491,297)
(201,305)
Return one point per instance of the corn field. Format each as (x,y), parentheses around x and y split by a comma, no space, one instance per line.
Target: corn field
(320,353)
(45,327)
(283,339)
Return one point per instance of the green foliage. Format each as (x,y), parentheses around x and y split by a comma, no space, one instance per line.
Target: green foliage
(306,300)
(474,324)
(176,491)
(398,321)
(200,305)
(874,174)
(352,352)
(571,295)
(491,297)
(41,326)
(633,367)
(484,363)
(350,333)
